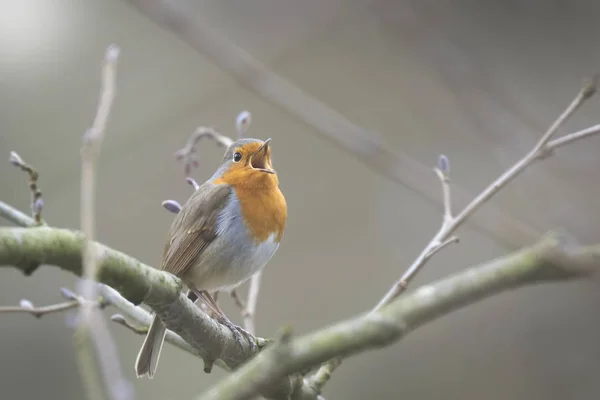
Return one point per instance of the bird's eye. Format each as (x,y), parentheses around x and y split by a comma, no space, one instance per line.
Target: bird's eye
(237,157)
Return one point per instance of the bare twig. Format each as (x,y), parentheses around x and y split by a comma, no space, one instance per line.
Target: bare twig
(37,203)
(572,137)
(239,303)
(317,380)
(28,308)
(451,223)
(188,154)
(449,226)
(443,173)
(250,311)
(13,215)
(92,329)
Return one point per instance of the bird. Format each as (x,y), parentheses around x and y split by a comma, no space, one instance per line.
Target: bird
(226,231)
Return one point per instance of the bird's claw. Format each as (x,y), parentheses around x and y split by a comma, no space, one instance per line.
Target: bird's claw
(238,331)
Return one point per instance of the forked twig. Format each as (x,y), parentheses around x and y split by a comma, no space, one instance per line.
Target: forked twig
(450,224)
(37,203)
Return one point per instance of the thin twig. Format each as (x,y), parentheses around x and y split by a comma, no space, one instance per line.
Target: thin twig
(238,302)
(37,203)
(317,380)
(26,307)
(443,173)
(450,226)
(249,312)
(571,137)
(188,154)
(15,216)
(92,329)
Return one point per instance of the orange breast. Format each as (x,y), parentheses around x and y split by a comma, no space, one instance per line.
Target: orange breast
(262,204)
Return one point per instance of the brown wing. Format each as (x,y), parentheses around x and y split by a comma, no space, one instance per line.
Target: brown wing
(194,228)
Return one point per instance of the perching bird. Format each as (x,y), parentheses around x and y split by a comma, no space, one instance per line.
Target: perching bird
(227,231)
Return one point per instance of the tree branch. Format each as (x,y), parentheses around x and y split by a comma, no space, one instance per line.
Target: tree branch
(136,282)
(450,223)
(110,296)
(547,261)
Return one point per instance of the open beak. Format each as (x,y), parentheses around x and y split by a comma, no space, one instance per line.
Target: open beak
(259,160)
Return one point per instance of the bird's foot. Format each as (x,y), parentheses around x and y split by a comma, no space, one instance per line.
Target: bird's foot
(238,331)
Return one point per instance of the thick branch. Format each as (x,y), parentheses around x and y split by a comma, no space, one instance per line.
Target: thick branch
(24,247)
(547,261)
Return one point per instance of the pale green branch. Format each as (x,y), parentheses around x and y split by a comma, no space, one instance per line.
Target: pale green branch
(548,261)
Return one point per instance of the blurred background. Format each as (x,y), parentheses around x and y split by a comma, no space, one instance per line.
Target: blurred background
(360,98)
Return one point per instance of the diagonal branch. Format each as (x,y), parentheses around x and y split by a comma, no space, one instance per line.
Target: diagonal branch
(135,281)
(547,261)
(450,223)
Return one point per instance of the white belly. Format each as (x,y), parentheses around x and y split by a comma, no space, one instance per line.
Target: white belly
(233,257)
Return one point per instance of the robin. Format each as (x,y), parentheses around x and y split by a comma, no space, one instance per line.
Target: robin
(227,231)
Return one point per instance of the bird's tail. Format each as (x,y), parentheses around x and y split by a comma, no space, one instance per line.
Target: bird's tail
(147,359)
